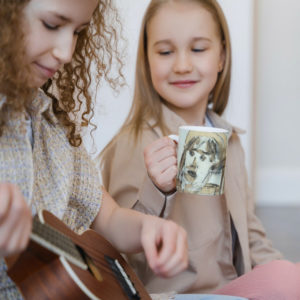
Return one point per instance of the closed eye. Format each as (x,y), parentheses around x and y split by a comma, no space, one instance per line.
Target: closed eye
(55,27)
(165,52)
(50,26)
(198,49)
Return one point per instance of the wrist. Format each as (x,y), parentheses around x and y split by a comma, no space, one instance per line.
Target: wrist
(165,191)
(171,192)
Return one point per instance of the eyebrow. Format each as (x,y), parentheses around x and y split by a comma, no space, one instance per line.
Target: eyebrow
(195,39)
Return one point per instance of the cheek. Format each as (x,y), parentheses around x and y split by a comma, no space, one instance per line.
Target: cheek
(154,71)
(210,67)
(33,43)
(157,75)
(209,63)
(159,68)
(30,48)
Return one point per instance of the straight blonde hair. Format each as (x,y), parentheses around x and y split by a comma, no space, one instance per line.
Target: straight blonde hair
(147,103)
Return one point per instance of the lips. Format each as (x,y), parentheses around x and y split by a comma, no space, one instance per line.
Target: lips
(183,83)
(46,72)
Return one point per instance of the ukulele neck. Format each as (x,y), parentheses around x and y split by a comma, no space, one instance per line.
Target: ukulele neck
(57,242)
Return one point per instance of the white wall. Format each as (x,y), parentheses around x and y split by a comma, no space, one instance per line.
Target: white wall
(239,111)
(112,109)
(278,102)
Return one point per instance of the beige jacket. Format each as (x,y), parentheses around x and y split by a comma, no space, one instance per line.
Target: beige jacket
(207,220)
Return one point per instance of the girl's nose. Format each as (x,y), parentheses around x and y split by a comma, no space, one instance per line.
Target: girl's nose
(64,48)
(183,63)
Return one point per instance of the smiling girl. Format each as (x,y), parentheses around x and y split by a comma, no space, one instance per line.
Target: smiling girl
(47,47)
(183,78)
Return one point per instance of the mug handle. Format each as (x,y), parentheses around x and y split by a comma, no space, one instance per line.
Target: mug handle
(174,137)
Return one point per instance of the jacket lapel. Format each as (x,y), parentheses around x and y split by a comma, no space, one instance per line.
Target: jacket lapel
(234,187)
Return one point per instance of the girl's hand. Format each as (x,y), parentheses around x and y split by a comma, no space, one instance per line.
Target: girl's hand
(161,163)
(129,231)
(165,246)
(15,220)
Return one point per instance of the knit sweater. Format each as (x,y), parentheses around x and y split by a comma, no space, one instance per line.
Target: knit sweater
(50,173)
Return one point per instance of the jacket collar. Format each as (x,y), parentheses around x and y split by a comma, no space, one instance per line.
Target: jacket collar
(219,122)
(174,121)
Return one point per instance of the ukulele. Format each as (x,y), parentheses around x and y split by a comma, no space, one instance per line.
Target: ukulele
(60,264)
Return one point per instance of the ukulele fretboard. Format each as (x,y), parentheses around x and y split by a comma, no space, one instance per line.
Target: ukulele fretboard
(56,242)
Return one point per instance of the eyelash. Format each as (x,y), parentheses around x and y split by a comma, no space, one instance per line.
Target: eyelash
(51,27)
(164,53)
(198,50)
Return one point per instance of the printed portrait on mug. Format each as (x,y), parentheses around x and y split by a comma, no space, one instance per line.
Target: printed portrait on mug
(202,163)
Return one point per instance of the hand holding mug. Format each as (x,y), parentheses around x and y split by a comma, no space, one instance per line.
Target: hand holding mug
(161,163)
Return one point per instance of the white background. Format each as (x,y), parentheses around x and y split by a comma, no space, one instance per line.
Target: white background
(278,102)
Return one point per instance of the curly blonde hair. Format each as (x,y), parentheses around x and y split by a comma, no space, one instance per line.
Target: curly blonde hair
(96,51)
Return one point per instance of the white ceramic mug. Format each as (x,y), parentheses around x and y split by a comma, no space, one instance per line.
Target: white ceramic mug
(201,156)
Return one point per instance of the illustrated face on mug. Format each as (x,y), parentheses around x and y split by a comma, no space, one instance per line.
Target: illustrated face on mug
(202,163)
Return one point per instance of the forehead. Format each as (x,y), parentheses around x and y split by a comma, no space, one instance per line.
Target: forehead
(175,20)
(75,10)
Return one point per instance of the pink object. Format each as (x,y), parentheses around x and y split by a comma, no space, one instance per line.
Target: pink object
(276,280)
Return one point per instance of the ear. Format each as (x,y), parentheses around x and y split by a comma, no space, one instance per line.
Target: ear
(222,57)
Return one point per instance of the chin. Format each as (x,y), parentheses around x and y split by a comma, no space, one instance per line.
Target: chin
(38,80)
(37,83)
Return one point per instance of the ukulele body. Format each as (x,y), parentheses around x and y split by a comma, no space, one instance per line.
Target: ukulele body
(41,274)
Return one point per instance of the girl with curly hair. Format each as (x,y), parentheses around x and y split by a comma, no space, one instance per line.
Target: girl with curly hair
(48,49)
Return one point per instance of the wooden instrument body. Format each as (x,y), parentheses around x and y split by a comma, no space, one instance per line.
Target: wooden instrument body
(41,274)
